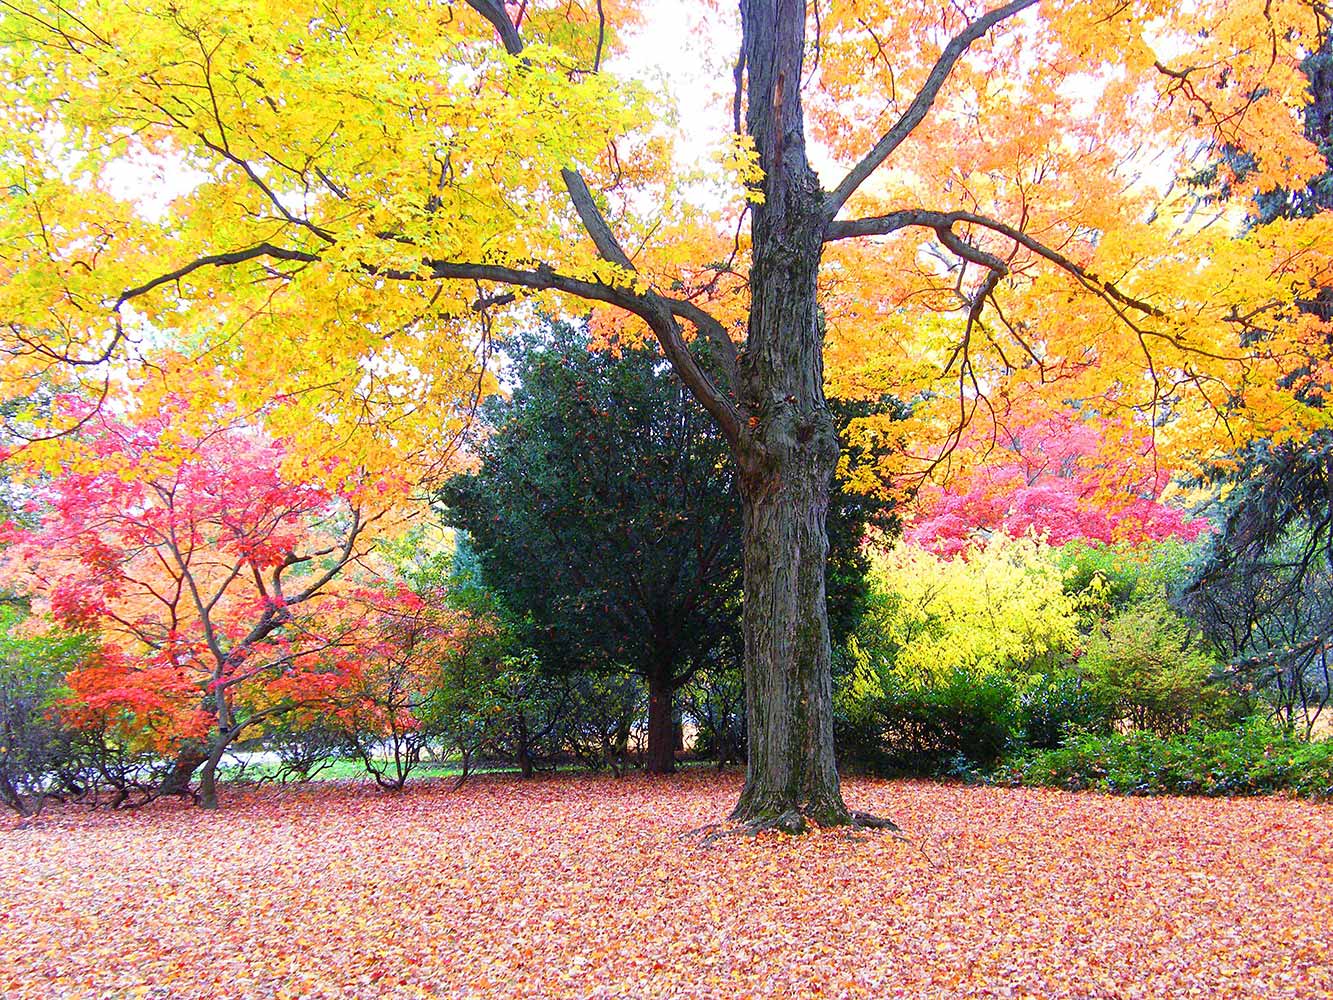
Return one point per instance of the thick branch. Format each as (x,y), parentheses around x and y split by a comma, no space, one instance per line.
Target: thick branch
(883,225)
(216,260)
(593,220)
(656,311)
(916,111)
(967,251)
(494,11)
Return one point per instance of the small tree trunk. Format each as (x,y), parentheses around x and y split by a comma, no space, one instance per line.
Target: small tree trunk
(188,760)
(524,754)
(661,756)
(208,788)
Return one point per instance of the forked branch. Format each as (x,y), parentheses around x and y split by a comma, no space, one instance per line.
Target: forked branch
(921,104)
(884,225)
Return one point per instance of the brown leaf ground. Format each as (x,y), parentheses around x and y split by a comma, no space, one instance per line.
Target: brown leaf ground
(591,887)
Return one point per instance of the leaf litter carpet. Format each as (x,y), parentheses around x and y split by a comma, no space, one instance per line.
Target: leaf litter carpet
(592,887)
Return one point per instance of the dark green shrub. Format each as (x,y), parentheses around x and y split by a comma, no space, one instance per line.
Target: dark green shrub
(1052,706)
(40,757)
(922,728)
(1252,758)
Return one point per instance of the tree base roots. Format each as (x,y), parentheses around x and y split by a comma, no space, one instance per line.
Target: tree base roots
(794,822)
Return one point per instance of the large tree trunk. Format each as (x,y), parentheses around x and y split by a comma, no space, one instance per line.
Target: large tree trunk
(790,770)
(788,453)
(661,755)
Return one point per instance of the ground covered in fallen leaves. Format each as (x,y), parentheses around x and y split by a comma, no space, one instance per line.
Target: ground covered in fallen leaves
(592,887)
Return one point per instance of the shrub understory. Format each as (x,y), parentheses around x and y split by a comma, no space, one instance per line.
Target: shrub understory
(1253,758)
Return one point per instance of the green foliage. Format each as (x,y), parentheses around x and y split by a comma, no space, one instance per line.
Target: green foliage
(1109,578)
(604,513)
(923,727)
(1051,706)
(1253,758)
(606,520)
(851,513)
(1111,572)
(38,755)
(715,700)
(1148,665)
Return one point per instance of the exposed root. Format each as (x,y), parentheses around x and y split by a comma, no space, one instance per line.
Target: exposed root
(792,822)
(869,821)
(706,833)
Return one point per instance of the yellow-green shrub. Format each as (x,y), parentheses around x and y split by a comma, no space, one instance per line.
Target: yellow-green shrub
(999,606)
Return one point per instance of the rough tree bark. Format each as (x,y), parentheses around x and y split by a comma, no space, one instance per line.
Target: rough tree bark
(188,760)
(788,452)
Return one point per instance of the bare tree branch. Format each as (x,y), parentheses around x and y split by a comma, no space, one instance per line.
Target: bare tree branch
(916,111)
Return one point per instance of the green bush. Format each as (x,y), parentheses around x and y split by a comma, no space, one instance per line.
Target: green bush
(1051,706)
(1148,665)
(1119,575)
(1253,758)
(40,756)
(1111,572)
(928,726)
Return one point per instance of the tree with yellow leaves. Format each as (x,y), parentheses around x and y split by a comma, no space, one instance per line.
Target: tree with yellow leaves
(377,189)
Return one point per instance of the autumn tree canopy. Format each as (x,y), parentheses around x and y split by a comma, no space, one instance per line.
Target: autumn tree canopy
(1053,473)
(952,204)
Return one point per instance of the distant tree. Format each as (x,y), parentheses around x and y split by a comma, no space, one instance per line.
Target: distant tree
(1066,475)
(605,512)
(397,702)
(1262,590)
